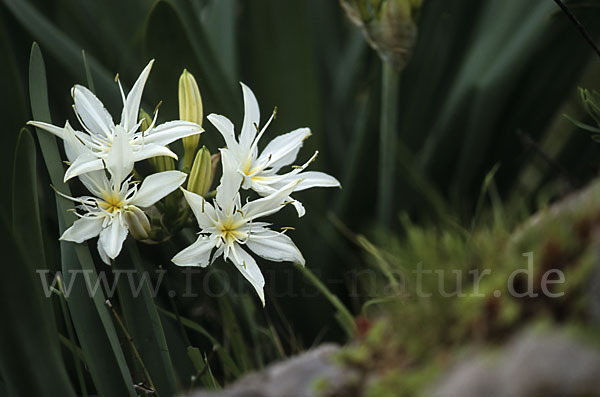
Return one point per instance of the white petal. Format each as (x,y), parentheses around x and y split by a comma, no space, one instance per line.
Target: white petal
(251,118)
(74,145)
(171,131)
(298,206)
(283,150)
(92,112)
(157,186)
(112,237)
(83,229)
(270,204)
(310,179)
(202,209)
(86,162)
(230,182)
(102,253)
(58,131)
(146,151)
(225,127)
(274,246)
(131,109)
(137,223)
(249,269)
(119,160)
(197,254)
(95,182)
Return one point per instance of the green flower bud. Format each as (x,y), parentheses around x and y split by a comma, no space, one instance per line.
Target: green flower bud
(388,25)
(138,223)
(146,120)
(190,109)
(200,177)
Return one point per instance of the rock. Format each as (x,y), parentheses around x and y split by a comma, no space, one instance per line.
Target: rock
(297,376)
(533,364)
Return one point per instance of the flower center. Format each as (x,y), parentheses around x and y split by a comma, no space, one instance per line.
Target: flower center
(112,203)
(229,233)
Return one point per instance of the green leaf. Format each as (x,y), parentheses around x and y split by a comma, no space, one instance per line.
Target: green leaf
(91,318)
(227,361)
(30,360)
(581,125)
(343,315)
(62,47)
(233,332)
(142,320)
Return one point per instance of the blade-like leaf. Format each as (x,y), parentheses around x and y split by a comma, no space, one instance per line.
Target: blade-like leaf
(142,320)
(92,320)
(30,358)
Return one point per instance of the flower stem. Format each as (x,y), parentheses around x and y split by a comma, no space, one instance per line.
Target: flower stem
(387,143)
(134,349)
(344,317)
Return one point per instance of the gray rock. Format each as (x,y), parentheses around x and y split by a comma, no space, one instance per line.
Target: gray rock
(533,364)
(293,377)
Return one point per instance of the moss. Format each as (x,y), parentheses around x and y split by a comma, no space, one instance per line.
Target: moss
(407,340)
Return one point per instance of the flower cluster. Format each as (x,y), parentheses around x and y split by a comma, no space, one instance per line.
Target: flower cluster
(103,156)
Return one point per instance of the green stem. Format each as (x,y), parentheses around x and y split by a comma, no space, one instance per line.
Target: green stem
(134,349)
(387,143)
(345,318)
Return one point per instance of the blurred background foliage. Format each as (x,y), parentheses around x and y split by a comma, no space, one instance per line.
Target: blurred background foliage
(480,103)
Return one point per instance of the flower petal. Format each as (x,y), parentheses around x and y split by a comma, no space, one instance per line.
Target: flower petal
(197,254)
(225,127)
(249,269)
(83,229)
(283,149)
(95,182)
(270,204)
(92,112)
(171,131)
(131,108)
(58,131)
(274,246)
(119,160)
(74,144)
(102,253)
(157,186)
(202,209)
(230,182)
(113,236)
(146,151)
(251,118)
(85,163)
(310,179)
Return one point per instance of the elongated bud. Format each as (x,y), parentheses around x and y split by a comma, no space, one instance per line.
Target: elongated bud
(201,174)
(137,223)
(388,25)
(190,109)
(146,120)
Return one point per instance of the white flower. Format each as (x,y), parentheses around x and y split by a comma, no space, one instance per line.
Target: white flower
(228,225)
(260,172)
(114,209)
(100,131)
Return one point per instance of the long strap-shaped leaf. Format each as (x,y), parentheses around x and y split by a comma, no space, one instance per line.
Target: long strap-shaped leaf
(143,321)
(30,359)
(92,320)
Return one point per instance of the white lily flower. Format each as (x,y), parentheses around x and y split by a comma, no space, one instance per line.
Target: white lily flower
(227,226)
(115,209)
(260,172)
(100,130)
